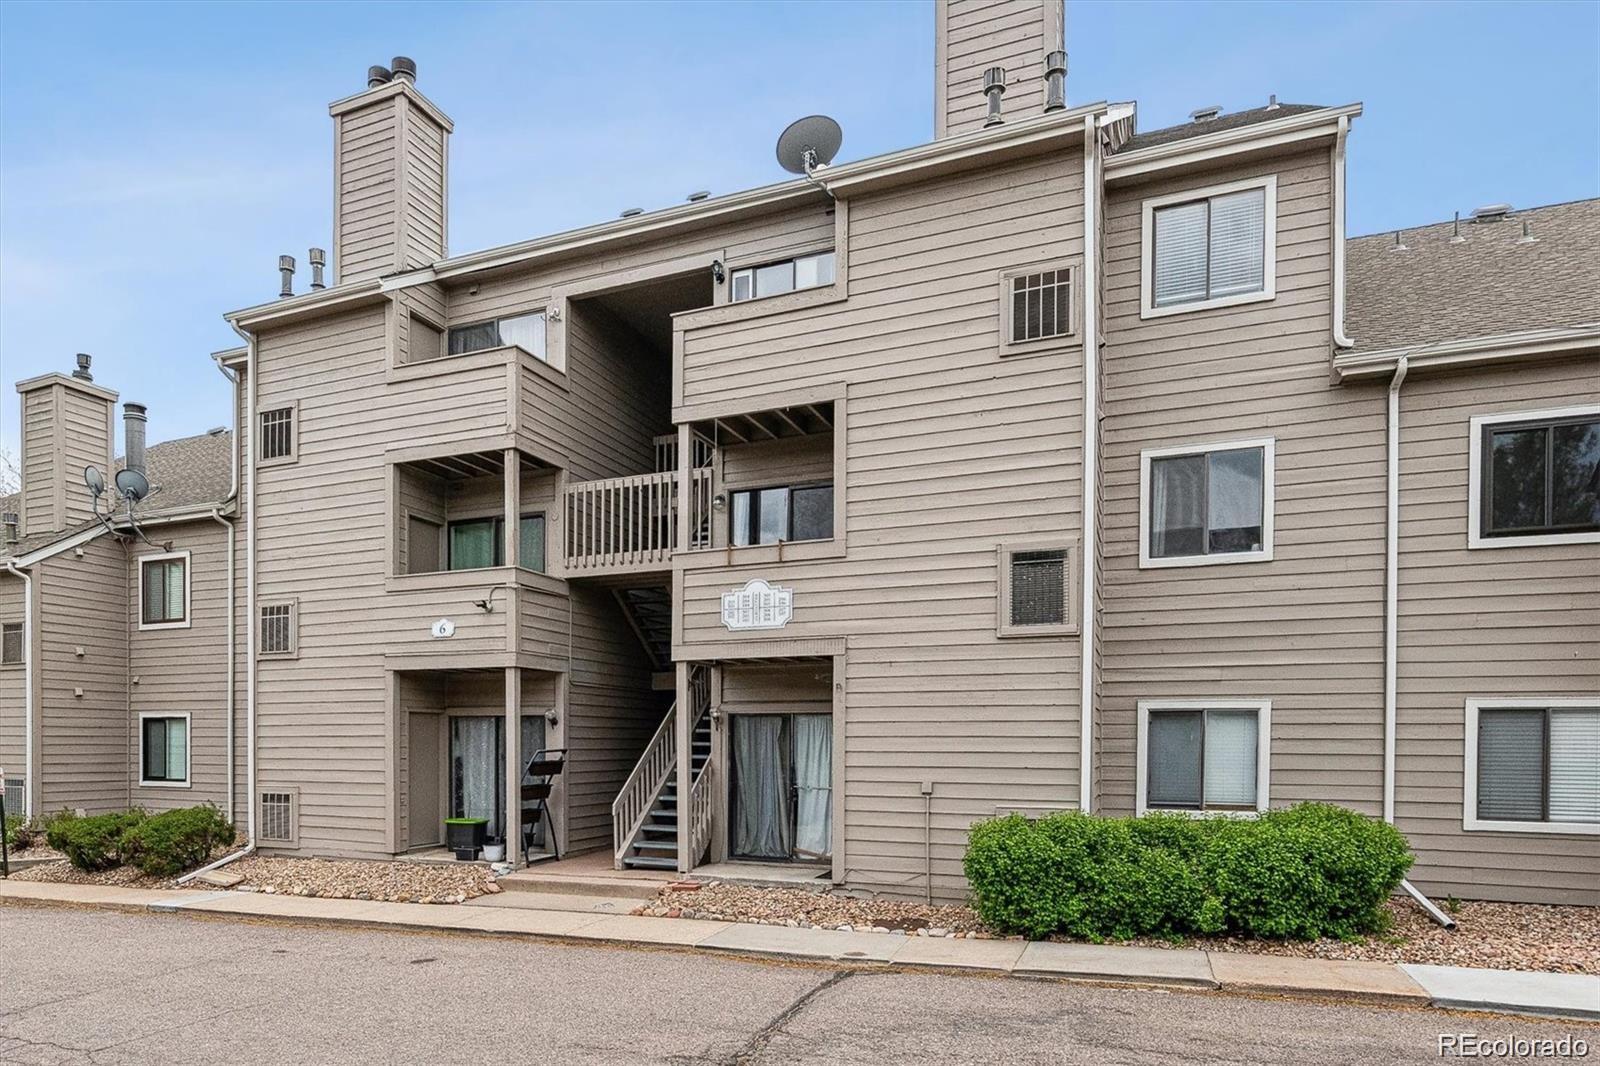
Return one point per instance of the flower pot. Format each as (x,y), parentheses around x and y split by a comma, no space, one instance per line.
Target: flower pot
(494,853)
(465,836)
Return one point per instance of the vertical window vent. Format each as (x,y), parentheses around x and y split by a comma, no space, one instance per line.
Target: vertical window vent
(16,796)
(278,816)
(277,433)
(277,629)
(11,643)
(1039,588)
(1041,305)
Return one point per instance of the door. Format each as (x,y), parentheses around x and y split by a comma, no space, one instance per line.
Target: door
(781,792)
(425,816)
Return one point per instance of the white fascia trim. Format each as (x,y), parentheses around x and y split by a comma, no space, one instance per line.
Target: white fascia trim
(188,750)
(1469,351)
(188,583)
(305,304)
(1269,466)
(38,555)
(1469,790)
(1263,709)
(1269,261)
(1475,537)
(1211,147)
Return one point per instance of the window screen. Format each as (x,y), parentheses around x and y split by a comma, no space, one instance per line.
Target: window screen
(475,543)
(163,591)
(424,545)
(1541,477)
(1202,759)
(424,343)
(1041,305)
(782,513)
(11,642)
(1211,503)
(1039,588)
(1539,764)
(277,632)
(530,547)
(164,748)
(1210,248)
(277,433)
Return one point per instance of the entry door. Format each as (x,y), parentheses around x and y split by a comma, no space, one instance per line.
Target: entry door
(781,797)
(426,817)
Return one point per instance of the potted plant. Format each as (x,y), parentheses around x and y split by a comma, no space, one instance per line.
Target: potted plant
(494,850)
(465,836)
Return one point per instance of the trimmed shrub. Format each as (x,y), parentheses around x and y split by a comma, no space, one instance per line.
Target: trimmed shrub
(93,843)
(19,833)
(169,843)
(1309,871)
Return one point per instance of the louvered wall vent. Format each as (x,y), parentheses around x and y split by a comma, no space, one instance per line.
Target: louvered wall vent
(280,817)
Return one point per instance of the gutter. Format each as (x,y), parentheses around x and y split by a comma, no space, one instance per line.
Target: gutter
(1470,351)
(1088,541)
(1340,338)
(30,805)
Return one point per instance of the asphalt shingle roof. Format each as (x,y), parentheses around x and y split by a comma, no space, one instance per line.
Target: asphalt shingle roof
(1489,284)
(1186,130)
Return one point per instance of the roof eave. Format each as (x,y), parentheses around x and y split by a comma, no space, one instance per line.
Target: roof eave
(1291,129)
(1468,351)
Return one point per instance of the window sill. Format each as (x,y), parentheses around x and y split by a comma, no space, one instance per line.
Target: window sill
(1167,562)
(165,784)
(1070,342)
(1535,540)
(1473,825)
(282,460)
(1014,632)
(144,626)
(793,551)
(1191,813)
(18,665)
(1207,305)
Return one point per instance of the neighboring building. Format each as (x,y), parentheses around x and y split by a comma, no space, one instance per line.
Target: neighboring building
(813,499)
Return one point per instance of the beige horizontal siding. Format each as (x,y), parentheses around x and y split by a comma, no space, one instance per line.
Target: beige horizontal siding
(13,690)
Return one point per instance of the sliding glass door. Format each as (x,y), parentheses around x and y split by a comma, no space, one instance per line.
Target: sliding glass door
(478,766)
(781,796)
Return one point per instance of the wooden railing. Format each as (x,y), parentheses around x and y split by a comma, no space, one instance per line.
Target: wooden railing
(630,523)
(639,793)
(701,803)
(666,449)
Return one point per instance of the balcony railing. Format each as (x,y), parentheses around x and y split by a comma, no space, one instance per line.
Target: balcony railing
(624,524)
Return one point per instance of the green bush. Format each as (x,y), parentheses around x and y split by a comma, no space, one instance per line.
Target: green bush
(93,843)
(1309,871)
(169,843)
(19,833)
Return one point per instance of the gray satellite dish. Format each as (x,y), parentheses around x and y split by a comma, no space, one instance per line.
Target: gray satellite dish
(809,143)
(95,480)
(133,485)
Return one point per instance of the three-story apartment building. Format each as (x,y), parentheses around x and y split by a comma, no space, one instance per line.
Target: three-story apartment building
(1046,465)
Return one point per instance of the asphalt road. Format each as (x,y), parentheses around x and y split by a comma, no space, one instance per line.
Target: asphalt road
(95,987)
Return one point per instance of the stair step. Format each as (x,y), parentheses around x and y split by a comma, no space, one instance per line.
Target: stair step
(651,862)
(656,845)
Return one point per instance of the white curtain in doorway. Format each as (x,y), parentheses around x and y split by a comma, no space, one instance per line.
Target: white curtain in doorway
(813,780)
(762,827)
(475,753)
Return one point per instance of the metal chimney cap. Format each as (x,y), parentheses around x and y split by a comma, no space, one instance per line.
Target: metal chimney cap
(994,78)
(285,262)
(82,373)
(1055,61)
(377,76)
(405,68)
(1205,114)
(135,411)
(317,257)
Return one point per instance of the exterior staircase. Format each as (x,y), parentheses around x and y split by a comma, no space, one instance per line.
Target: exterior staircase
(649,612)
(655,846)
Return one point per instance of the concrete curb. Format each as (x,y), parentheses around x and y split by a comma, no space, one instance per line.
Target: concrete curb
(1566,996)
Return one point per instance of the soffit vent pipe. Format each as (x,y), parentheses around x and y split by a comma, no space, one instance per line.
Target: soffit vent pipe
(82,373)
(1055,81)
(318,259)
(405,69)
(377,76)
(994,87)
(133,423)
(286,272)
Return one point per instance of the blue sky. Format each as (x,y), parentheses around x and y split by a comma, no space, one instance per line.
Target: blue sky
(156,159)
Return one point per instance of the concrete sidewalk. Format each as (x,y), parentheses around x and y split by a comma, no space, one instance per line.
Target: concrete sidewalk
(1459,988)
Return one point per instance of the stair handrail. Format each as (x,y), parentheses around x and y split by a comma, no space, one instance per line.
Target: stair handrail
(644,785)
(700,811)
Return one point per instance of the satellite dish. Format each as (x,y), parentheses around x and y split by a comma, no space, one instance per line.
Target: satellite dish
(809,143)
(133,485)
(95,480)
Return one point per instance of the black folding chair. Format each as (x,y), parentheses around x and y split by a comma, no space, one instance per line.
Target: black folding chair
(545,766)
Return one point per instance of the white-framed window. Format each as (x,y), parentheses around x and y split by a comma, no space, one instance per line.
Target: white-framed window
(1204,756)
(1211,247)
(1532,765)
(12,648)
(164,583)
(1038,307)
(279,435)
(1201,504)
(279,631)
(163,750)
(1035,589)
(523,331)
(786,275)
(1534,478)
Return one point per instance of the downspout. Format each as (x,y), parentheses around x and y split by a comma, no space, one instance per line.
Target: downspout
(233,642)
(30,803)
(1091,444)
(1340,339)
(250,605)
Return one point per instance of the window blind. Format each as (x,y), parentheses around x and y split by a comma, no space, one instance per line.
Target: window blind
(1230,758)
(1177,506)
(1238,243)
(1574,765)
(175,583)
(1173,778)
(1511,765)
(1180,253)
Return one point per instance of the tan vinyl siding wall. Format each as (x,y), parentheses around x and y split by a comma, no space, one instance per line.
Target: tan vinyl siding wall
(85,441)
(366,192)
(951,450)
(1304,630)
(1514,622)
(184,671)
(424,190)
(42,479)
(13,681)
(977,34)
(84,740)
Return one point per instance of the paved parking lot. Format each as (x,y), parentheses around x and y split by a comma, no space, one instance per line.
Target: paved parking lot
(96,987)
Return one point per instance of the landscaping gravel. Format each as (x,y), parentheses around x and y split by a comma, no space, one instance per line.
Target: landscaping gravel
(1502,936)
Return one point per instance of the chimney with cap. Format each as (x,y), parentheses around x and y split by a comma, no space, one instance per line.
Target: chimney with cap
(318,259)
(66,425)
(390,156)
(134,419)
(1022,38)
